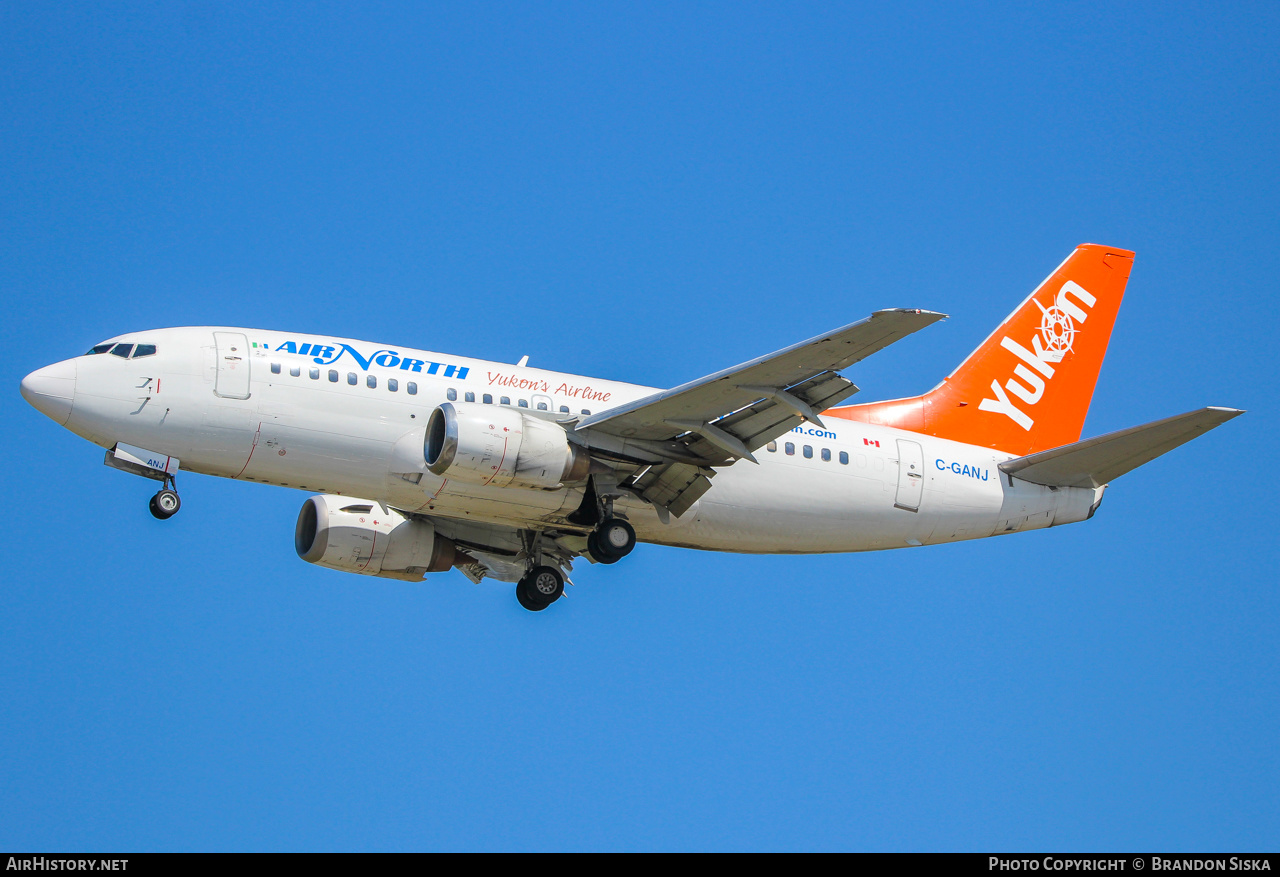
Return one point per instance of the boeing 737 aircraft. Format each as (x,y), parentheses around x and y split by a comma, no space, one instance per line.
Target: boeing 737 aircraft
(425,461)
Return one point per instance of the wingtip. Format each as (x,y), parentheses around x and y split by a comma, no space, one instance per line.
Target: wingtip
(932,315)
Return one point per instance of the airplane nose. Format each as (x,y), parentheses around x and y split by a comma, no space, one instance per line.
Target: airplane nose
(52,389)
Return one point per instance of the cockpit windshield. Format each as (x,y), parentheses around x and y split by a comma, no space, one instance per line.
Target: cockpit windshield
(123,350)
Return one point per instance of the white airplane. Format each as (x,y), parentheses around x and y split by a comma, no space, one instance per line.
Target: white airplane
(424,461)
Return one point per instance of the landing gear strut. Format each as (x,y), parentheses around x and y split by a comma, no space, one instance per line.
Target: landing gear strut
(611,541)
(165,504)
(540,587)
(613,538)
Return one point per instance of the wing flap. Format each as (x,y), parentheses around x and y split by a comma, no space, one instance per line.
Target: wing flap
(765,420)
(673,486)
(1098,461)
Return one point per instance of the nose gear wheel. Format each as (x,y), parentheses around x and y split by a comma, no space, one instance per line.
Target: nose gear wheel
(165,504)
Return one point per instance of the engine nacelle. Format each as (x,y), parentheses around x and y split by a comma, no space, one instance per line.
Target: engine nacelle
(501,447)
(362,536)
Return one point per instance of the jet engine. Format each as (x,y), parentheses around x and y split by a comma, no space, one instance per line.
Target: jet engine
(501,447)
(362,536)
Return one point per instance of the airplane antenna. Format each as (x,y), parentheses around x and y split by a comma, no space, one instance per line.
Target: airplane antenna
(524,360)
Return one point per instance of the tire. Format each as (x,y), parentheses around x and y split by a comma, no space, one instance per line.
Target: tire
(543,585)
(165,504)
(598,554)
(617,537)
(525,601)
(611,541)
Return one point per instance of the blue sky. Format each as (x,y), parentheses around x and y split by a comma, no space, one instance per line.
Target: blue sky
(648,193)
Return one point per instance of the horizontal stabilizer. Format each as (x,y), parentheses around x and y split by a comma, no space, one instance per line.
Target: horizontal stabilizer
(1097,461)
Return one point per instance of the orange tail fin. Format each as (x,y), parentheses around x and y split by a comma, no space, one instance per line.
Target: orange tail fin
(1026,388)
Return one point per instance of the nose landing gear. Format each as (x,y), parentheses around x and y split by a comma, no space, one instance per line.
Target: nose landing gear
(165,504)
(155,465)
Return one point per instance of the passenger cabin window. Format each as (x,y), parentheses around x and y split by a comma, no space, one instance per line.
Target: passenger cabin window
(772,447)
(371,382)
(351,378)
(586,410)
(295,372)
(505,400)
(789,449)
(393,384)
(451,394)
(844,458)
(808,452)
(487,398)
(524,403)
(468,397)
(333,376)
(144,350)
(826,455)
(314,374)
(564,409)
(411,388)
(100,348)
(275,368)
(542,406)
(122,350)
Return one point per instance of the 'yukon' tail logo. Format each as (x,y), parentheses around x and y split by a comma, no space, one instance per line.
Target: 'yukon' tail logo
(1053,341)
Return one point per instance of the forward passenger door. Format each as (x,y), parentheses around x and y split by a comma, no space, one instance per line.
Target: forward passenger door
(232,352)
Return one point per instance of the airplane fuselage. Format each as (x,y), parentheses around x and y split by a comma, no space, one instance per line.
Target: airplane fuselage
(339,416)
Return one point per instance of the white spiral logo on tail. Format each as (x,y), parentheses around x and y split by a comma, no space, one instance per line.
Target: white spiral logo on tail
(1057,330)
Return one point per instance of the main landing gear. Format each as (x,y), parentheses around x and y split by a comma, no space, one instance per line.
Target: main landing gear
(611,541)
(165,504)
(613,538)
(540,587)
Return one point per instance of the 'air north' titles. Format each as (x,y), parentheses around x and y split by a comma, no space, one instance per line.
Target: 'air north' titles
(327,354)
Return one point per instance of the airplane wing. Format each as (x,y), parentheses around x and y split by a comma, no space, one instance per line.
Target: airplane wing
(684,434)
